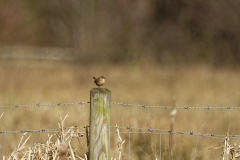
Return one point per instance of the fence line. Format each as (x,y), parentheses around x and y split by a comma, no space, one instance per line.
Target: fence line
(44,104)
(139,130)
(175,107)
(123,105)
(48,130)
(127,130)
(157,131)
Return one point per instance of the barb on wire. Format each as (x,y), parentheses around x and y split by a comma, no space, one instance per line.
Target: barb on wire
(175,107)
(45,104)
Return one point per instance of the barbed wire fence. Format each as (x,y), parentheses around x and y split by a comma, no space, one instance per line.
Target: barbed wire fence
(121,104)
(128,130)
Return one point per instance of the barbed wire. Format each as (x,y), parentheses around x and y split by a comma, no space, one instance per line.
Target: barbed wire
(48,130)
(174,107)
(121,104)
(124,105)
(44,104)
(130,130)
(159,131)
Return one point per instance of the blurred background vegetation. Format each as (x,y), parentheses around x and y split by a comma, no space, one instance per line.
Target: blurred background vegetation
(167,31)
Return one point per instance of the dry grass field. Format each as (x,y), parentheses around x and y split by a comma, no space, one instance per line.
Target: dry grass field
(32,82)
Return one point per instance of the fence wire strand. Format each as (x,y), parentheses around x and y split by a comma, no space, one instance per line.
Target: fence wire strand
(130,130)
(157,131)
(41,130)
(174,107)
(121,104)
(45,104)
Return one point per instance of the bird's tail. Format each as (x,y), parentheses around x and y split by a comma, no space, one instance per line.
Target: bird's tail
(94,78)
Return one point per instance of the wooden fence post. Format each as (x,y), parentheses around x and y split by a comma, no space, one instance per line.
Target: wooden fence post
(100,104)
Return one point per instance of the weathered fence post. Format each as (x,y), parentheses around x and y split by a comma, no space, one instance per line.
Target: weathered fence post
(100,104)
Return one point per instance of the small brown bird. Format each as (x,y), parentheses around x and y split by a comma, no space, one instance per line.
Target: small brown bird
(99,81)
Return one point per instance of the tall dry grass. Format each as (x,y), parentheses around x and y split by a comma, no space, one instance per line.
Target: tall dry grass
(23,82)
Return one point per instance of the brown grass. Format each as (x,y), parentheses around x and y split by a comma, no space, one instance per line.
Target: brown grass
(58,146)
(24,82)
